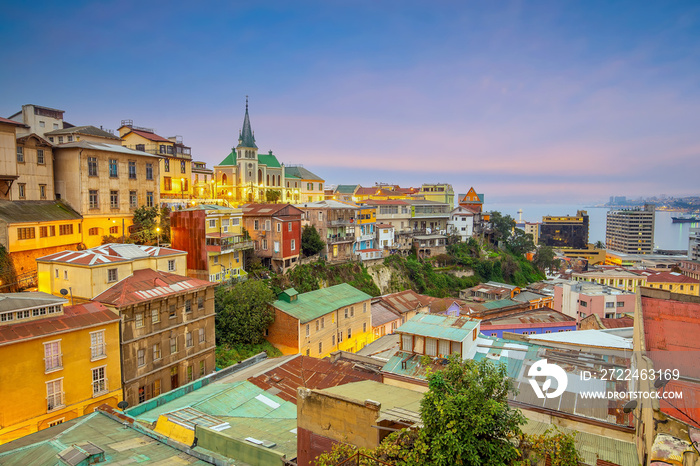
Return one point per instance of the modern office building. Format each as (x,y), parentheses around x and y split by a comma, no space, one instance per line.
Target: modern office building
(631,231)
(570,231)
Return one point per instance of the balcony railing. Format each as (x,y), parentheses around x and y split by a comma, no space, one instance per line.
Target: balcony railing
(55,401)
(341,222)
(366,237)
(340,239)
(53,363)
(223,248)
(98,351)
(99,387)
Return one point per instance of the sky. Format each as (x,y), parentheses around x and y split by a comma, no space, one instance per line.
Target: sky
(534,102)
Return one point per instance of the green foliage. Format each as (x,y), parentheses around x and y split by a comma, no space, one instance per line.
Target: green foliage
(520,243)
(311,242)
(8,274)
(544,258)
(164,224)
(107,239)
(424,279)
(145,225)
(466,415)
(599,245)
(310,277)
(272,196)
(503,225)
(228,355)
(243,312)
(558,446)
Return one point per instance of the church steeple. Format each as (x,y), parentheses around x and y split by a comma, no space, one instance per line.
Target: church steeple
(246,137)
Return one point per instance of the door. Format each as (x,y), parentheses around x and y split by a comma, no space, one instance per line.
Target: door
(174,382)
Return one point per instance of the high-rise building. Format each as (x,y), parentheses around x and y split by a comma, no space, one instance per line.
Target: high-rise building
(565,231)
(694,244)
(631,231)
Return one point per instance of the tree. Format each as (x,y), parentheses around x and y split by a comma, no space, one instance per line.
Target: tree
(164,224)
(311,242)
(520,242)
(272,196)
(8,274)
(243,312)
(544,258)
(599,245)
(503,224)
(145,225)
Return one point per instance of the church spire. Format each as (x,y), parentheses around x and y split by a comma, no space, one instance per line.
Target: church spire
(246,137)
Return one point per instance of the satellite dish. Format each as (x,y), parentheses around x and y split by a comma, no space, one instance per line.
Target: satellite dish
(660,383)
(63,292)
(630,406)
(123,405)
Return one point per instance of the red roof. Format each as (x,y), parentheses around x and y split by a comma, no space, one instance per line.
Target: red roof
(309,372)
(668,329)
(149,284)
(384,225)
(12,122)
(622,322)
(405,301)
(150,136)
(384,202)
(73,318)
(268,209)
(109,254)
(668,277)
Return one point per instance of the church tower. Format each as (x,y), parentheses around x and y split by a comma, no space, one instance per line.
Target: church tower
(247,155)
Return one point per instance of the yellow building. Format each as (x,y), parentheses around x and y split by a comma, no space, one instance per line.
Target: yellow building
(615,277)
(317,323)
(105,183)
(88,273)
(58,362)
(175,158)
(384,192)
(672,281)
(213,239)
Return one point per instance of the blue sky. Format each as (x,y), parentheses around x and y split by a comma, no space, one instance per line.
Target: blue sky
(546,101)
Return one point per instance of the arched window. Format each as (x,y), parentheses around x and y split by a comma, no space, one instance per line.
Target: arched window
(278,180)
(223,179)
(260,178)
(268,179)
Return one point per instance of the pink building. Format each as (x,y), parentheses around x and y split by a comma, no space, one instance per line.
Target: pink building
(580,299)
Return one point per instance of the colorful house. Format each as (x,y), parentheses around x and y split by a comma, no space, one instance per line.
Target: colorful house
(472,200)
(365,236)
(275,230)
(212,237)
(337,318)
(311,185)
(335,222)
(66,357)
(532,322)
(672,281)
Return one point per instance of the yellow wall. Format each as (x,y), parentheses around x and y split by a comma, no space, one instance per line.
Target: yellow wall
(692,289)
(372,213)
(40,243)
(23,405)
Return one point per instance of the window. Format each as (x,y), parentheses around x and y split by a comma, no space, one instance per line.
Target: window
(188,305)
(111,275)
(609,305)
(173,345)
(133,199)
(264,244)
(149,198)
(171,312)
(364,326)
(276,246)
(40,157)
(114,199)
(349,333)
(60,139)
(166,162)
(149,171)
(190,376)
(156,388)
(42,191)
(318,324)
(56,422)
(65,229)
(202,369)
(584,304)
(171,265)
(289,226)
(431,347)
(93,199)
(201,335)
(182,167)
(132,170)
(352,311)
(190,341)
(99,381)
(200,302)
(47,231)
(22,188)
(256,225)
(113,168)
(53,359)
(279,227)
(294,245)
(54,394)
(20,154)
(320,347)
(167,183)
(138,319)
(308,328)
(156,352)
(94,231)
(142,394)
(92,166)
(155,316)
(70,138)
(141,357)
(26,233)
(212,223)
(323,322)
(347,312)
(340,337)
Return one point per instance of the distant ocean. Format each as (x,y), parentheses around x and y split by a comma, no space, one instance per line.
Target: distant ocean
(667,235)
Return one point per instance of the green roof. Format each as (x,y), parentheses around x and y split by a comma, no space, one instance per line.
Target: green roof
(302,173)
(230,160)
(439,326)
(314,304)
(346,188)
(388,395)
(269,160)
(501,303)
(36,211)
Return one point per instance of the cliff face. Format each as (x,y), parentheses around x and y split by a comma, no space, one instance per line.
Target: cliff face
(388,279)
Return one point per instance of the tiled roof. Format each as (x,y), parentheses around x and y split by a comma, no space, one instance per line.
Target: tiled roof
(622,322)
(301,173)
(150,136)
(11,122)
(148,284)
(308,372)
(314,304)
(36,211)
(24,300)
(267,209)
(668,327)
(87,129)
(668,277)
(74,317)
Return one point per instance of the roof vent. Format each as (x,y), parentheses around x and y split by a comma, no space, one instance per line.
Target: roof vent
(84,453)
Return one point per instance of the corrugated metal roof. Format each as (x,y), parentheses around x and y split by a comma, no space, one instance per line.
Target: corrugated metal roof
(104,147)
(314,304)
(36,211)
(301,173)
(438,326)
(87,129)
(501,303)
(382,315)
(346,188)
(585,338)
(24,300)
(389,396)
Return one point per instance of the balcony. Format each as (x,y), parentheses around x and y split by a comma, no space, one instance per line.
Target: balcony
(366,237)
(334,239)
(98,351)
(227,247)
(99,387)
(341,222)
(53,363)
